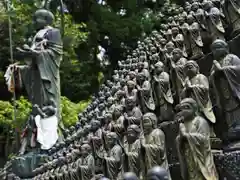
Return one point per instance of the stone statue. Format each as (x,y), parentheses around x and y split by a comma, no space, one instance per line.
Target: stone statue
(142,69)
(117,124)
(168,55)
(157,173)
(177,73)
(232,14)
(42,80)
(197,87)
(224,77)
(195,38)
(162,93)
(214,22)
(131,158)
(86,164)
(153,144)
(178,40)
(145,93)
(184,27)
(133,114)
(112,162)
(131,90)
(196,162)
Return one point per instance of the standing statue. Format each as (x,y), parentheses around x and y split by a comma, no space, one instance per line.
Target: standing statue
(162,93)
(193,143)
(177,73)
(153,145)
(145,94)
(231,10)
(112,162)
(131,157)
(197,87)
(40,75)
(214,22)
(178,40)
(225,75)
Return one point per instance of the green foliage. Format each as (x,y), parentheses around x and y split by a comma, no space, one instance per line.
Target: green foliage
(69,114)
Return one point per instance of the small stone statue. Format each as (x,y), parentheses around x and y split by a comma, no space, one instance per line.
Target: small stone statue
(157,173)
(142,69)
(112,162)
(131,158)
(133,114)
(117,124)
(195,38)
(196,162)
(177,73)
(184,27)
(214,22)
(145,93)
(168,55)
(86,164)
(178,40)
(153,144)
(197,87)
(225,75)
(131,90)
(231,11)
(162,93)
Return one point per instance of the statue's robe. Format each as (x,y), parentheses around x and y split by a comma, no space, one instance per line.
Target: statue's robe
(226,86)
(146,97)
(231,10)
(185,30)
(41,76)
(132,157)
(132,93)
(215,25)
(201,19)
(57,172)
(133,116)
(200,93)
(195,156)
(154,151)
(195,39)
(73,171)
(163,96)
(117,126)
(112,163)
(63,173)
(179,43)
(178,76)
(52,174)
(86,167)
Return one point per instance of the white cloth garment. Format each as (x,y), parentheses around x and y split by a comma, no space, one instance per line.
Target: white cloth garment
(47,134)
(8,77)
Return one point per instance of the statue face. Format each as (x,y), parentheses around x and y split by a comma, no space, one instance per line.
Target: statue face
(84,151)
(131,135)
(218,53)
(191,70)
(110,140)
(147,125)
(158,69)
(185,111)
(176,55)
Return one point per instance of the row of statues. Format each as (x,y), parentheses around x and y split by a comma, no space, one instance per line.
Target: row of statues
(158,85)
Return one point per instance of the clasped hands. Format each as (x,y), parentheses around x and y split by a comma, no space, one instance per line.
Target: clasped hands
(26,50)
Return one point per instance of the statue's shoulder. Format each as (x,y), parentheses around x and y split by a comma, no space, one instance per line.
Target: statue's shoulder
(201,122)
(158,132)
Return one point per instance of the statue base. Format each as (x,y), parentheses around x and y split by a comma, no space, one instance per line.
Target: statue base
(23,166)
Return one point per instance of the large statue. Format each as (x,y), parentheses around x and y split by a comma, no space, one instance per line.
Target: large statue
(153,145)
(225,75)
(193,143)
(40,75)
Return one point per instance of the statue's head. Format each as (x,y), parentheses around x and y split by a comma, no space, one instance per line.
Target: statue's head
(85,149)
(175,30)
(117,112)
(190,19)
(42,18)
(187,109)
(191,68)
(149,122)
(170,46)
(157,173)
(130,102)
(159,67)
(133,132)
(207,5)
(177,54)
(141,77)
(130,176)
(131,85)
(132,75)
(219,49)
(95,125)
(111,138)
(195,6)
(140,65)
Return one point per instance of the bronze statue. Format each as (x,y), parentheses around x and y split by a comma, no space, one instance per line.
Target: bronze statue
(224,77)
(153,146)
(193,143)
(162,93)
